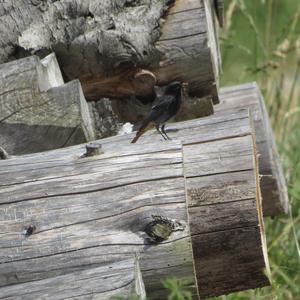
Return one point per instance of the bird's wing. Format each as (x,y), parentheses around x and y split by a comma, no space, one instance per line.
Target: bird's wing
(158,112)
(164,103)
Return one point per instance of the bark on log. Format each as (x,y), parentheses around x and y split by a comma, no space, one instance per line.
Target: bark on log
(272,181)
(37,110)
(105,282)
(220,182)
(106,44)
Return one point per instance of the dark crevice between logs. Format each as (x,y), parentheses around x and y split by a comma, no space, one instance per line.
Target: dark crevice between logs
(3,154)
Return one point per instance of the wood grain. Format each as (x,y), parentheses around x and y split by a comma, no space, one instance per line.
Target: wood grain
(112,279)
(273,185)
(84,208)
(38,111)
(89,211)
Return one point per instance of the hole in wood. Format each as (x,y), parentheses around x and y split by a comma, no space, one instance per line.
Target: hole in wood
(29,230)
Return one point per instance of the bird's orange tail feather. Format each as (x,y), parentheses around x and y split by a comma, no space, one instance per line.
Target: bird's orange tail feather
(142,130)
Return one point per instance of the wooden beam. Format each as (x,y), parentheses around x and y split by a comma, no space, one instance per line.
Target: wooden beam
(38,111)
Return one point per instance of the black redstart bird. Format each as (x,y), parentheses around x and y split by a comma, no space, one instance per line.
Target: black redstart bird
(166,108)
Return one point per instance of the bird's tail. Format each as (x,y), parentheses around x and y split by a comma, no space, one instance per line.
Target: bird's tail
(145,126)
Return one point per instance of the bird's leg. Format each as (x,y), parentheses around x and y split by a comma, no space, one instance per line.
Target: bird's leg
(157,128)
(164,132)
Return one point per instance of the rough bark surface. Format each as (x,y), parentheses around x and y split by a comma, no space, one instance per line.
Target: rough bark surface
(219,179)
(105,43)
(272,182)
(37,110)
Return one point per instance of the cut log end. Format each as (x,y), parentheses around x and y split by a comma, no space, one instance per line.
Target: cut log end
(272,184)
(259,204)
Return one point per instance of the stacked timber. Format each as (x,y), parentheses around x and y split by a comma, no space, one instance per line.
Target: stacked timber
(38,111)
(191,209)
(112,218)
(120,49)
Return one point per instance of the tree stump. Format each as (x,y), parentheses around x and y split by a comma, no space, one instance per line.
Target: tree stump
(155,198)
(272,181)
(38,111)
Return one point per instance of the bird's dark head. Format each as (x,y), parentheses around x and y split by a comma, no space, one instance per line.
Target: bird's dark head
(173,88)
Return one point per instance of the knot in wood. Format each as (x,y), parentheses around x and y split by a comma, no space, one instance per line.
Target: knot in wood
(41,4)
(161,228)
(29,230)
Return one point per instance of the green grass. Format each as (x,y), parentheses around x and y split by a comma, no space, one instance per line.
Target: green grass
(261,42)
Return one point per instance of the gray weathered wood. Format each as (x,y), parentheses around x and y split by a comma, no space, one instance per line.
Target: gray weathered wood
(105,193)
(37,110)
(189,48)
(104,282)
(223,204)
(97,41)
(273,186)
(88,210)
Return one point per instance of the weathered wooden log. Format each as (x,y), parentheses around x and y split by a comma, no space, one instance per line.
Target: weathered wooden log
(222,183)
(105,44)
(86,210)
(37,110)
(272,181)
(107,281)
(114,197)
